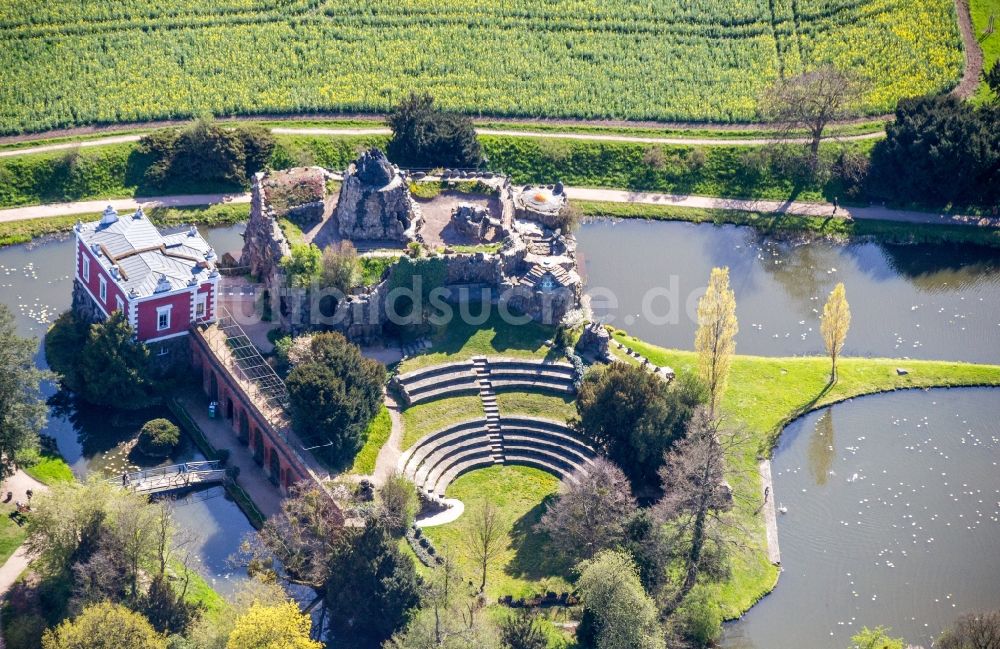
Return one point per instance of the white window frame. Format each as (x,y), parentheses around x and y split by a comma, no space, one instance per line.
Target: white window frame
(86,268)
(200,306)
(162,311)
(119,303)
(103,288)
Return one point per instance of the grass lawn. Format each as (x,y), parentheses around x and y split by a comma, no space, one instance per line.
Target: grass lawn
(981,11)
(460,341)
(764,395)
(535,404)
(11,534)
(377,435)
(424,418)
(50,469)
(525,568)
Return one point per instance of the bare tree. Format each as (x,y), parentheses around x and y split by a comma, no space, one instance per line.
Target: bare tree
(485,538)
(972,631)
(592,512)
(810,101)
(697,498)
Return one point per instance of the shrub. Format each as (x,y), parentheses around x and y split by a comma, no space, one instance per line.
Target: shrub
(158,437)
(699,619)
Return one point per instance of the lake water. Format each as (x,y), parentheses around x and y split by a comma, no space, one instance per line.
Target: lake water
(36,283)
(893,518)
(906,301)
(914,539)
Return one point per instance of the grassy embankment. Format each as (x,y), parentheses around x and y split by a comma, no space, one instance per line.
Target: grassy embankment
(17,232)
(375,437)
(807,226)
(764,395)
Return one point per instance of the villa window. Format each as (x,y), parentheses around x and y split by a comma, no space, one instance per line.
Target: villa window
(119,304)
(163,318)
(200,307)
(104,289)
(86,269)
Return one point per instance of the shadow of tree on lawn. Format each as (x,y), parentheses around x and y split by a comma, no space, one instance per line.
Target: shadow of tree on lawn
(534,559)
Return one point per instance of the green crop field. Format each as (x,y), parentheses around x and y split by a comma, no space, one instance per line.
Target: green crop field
(68,62)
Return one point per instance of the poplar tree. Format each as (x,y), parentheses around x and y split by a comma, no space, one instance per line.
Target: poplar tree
(836,322)
(715,340)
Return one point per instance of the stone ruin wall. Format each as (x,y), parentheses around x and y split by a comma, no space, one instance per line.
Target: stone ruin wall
(363,315)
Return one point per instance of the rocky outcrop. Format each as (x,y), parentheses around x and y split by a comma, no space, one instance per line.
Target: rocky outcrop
(264,244)
(595,341)
(375,201)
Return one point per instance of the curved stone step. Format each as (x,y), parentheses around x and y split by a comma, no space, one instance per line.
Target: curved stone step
(441,455)
(415,455)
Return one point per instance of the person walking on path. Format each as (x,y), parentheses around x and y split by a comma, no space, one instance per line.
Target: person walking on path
(836,205)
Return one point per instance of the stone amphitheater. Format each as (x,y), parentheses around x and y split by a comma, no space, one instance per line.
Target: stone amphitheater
(438,458)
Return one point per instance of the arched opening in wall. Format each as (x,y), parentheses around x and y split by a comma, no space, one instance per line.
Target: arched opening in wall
(229,408)
(213,389)
(328,306)
(275,472)
(252,437)
(258,450)
(244,427)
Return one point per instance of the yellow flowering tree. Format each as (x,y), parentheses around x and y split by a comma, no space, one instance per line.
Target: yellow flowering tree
(715,340)
(272,627)
(836,322)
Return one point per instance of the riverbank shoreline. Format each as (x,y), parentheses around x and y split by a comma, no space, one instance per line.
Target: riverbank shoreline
(765,395)
(803,226)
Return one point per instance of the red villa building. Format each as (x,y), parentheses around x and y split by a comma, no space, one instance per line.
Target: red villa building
(163,283)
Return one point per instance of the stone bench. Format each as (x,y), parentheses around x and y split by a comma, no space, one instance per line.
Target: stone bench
(434,370)
(427,444)
(542,385)
(441,454)
(456,464)
(531,366)
(578,454)
(554,466)
(457,390)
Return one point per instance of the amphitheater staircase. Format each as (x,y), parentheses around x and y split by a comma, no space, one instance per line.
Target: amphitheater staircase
(490,407)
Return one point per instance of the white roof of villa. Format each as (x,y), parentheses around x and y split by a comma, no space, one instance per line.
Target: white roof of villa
(147,261)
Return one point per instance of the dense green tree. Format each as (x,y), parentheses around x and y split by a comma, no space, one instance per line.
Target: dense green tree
(633,417)
(101,363)
(992,79)
(205,152)
(159,437)
(426,136)
(939,150)
(372,588)
(22,411)
(618,612)
(104,626)
(366,585)
(333,397)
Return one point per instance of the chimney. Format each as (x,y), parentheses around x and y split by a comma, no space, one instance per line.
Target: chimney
(109,216)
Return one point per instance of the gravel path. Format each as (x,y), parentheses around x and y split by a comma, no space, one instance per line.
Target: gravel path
(346,132)
(18,562)
(578,193)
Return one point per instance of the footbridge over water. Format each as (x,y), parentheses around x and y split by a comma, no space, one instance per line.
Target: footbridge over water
(177,477)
